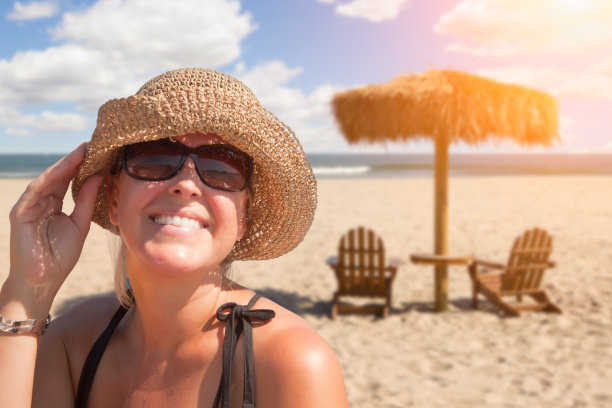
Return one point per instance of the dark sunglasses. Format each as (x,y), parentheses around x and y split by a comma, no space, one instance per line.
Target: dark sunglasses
(219,166)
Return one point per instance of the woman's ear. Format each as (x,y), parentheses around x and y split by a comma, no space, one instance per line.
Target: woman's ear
(112,192)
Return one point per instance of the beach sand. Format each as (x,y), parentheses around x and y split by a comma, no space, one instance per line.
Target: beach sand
(461,358)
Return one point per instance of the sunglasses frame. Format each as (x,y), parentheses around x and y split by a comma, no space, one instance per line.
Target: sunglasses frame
(194,152)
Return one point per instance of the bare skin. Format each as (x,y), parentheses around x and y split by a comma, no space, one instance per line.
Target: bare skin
(168,350)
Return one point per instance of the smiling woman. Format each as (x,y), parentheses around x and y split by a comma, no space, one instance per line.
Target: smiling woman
(191,173)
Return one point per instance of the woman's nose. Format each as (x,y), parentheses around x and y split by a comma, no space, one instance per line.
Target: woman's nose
(187,182)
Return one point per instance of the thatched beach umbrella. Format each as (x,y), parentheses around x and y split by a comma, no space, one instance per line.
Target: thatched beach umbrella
(448,106)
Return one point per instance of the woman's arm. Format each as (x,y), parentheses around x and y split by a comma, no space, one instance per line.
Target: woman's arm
(45,246)
(52,380)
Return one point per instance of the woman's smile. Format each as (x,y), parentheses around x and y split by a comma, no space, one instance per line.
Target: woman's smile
(178,221)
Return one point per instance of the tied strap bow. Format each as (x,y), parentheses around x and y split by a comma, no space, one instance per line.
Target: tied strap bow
(237,319)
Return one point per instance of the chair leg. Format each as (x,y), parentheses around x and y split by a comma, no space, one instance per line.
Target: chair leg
(496,300)
(542,297)
(508,311)
(388,299)
(472,271)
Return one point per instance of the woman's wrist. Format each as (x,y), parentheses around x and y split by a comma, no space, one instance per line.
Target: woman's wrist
(28,326)
(20,301)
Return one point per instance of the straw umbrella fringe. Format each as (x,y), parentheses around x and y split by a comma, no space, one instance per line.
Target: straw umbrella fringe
(447,106)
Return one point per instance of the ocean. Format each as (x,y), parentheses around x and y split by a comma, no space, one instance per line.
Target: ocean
(389,165)
(422,165)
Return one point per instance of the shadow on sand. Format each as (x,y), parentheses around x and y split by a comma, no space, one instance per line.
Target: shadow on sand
(293,301)
(455,305)
(297,303)
(304,305)
(70,302)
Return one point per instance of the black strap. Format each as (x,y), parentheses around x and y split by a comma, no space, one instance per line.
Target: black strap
(93,359)
(237,320)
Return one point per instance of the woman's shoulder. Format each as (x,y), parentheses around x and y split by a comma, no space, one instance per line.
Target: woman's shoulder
(284,320)
(288,335)
(80,325)
(67,341)
(291,357)
(87,315)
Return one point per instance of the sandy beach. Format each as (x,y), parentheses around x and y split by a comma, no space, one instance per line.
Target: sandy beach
(462,358)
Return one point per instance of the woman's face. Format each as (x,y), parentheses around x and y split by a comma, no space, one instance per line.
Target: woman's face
(179,225)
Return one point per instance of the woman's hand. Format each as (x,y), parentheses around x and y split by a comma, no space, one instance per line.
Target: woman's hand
(45,242)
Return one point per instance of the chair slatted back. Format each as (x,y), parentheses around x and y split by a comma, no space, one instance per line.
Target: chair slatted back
(527,261)
(361,264)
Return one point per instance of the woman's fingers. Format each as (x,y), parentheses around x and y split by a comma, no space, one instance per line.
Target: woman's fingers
(85,203)
(55,179)
(50,186)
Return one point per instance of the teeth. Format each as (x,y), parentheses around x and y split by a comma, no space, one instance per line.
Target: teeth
(177,221)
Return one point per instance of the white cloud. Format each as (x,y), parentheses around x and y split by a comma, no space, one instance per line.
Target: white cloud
(508,28)
(308,115)
(109,49)
(32,11)
(593,83)
(46,121)
(21,132)
(541,77)
(376,11)
(68,73)
(57,122)
(159,33)
(264,79)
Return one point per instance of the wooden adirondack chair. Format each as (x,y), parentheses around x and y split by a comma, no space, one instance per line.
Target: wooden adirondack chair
(361,271)
(522,275)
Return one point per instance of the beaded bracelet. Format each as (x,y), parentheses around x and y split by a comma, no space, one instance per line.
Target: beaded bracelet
(35,326)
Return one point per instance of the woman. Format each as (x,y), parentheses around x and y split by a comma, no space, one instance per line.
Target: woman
(192,173)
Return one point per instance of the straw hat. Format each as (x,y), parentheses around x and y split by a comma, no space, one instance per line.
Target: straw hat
(283,187)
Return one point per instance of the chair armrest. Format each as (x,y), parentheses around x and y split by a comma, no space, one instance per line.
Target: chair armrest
(440,259)
(488,264)
(392,268)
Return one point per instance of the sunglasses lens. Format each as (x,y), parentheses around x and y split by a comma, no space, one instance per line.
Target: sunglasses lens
(151,161)
(224,168)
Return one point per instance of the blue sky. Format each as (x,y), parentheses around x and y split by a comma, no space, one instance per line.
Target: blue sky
(61,59)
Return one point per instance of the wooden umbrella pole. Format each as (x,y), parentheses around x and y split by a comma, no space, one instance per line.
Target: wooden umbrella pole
(441,221)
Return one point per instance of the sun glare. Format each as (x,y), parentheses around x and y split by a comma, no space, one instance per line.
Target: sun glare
(581,5)
(575,4)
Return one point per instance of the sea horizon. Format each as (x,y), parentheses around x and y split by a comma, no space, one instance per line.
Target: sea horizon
(385,165)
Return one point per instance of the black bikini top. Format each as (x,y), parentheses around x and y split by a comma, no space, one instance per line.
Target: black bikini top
(236,318)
